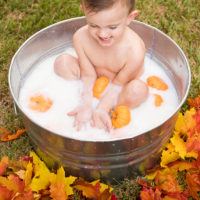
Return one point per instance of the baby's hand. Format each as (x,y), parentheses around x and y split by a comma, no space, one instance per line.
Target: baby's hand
(101,119)
(82,114)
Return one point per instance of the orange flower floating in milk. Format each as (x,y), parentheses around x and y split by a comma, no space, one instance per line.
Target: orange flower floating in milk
(159,84)
(40,103)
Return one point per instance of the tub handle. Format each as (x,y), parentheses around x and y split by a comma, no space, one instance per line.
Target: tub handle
(15,108)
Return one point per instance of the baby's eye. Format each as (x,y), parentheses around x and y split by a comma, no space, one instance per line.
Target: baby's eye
(113,27)
(93,26)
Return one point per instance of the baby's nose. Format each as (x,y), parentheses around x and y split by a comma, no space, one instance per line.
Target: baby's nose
(104,33)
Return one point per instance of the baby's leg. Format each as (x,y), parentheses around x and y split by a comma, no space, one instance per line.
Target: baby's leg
(67,67)
(133,94)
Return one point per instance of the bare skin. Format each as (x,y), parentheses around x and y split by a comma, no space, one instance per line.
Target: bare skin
(105,47)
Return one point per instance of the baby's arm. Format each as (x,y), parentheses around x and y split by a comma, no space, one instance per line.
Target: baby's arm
(83,113)
(125,75)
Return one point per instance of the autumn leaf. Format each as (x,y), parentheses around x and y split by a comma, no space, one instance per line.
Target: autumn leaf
(6,136)
(58,178)
(5,193)
(196,116)
(167,183)
(28,174)
(150,194)
(194,103)
(177,196)
(25,196)
(169,155)
(102,186)
(193,183)
(88,190)
(3,165)
(13,183)
(193,143)
(185,122)
(179,145)
(58,192)
(41,178)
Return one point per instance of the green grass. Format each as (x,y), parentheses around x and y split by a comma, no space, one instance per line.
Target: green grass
(19,19)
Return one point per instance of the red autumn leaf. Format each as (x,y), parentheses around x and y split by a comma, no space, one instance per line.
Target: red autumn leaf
(179,196)
(6,136)
(58,192)
(193,143)
(88,190)
(113,197)
(5,194)
(194,103)
(3,165)
(197,118)
(193,183)
(27,158)
(144,183)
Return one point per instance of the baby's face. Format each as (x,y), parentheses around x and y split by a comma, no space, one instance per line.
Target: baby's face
(107,26)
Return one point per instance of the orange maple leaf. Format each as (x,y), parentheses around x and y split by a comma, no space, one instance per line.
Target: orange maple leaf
(58,192)
(13,183)
(25,196)
(5,193)
(150,194)
(167,183)
(6,136)
(193,183)
(3,165)
(193,143)
(196,116)
(194,103)
(88,190)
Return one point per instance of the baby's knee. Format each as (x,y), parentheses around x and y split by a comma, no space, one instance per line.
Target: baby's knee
(67,67)
(134,93)
(137,88)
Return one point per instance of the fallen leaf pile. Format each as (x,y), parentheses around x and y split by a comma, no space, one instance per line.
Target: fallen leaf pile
(30,179)
(178,176)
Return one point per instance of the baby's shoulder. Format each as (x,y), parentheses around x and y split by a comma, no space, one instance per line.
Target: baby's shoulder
(80,35)
(134,40)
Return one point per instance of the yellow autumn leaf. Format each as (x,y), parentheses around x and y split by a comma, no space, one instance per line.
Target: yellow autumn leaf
(68,181)
(28,174)
(58,178)
(41,178)
(168,155)
(186,121)
(179,144)
(192,154)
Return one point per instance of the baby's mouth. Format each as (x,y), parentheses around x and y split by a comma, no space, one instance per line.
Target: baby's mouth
(106,40)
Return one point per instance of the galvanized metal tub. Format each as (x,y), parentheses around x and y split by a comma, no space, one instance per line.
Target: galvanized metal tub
(110,159)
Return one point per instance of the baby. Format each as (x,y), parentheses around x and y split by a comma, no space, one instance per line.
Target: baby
(107,47)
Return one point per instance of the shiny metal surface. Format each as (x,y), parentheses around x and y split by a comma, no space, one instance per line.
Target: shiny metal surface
(111,159)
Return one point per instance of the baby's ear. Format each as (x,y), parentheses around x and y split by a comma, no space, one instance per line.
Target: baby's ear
(81,7)
(132,16)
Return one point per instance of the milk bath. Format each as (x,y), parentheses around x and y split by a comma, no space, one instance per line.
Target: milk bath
(65,96)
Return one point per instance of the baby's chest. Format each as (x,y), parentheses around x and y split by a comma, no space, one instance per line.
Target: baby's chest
(111,61)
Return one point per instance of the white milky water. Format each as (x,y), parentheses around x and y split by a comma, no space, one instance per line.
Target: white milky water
(66,96)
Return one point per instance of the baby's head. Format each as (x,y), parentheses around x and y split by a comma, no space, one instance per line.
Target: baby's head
(108,19)
(99,5)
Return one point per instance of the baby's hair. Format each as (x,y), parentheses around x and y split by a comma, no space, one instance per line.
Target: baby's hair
(98,5)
